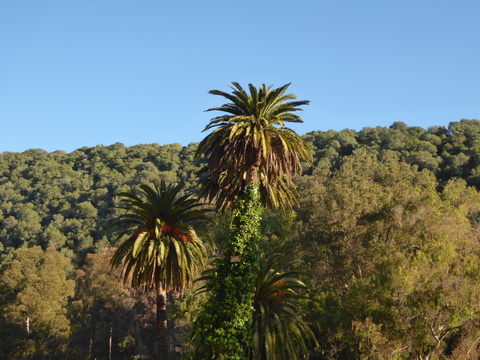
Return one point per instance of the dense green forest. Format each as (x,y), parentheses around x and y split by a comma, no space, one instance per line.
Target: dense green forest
(387,227)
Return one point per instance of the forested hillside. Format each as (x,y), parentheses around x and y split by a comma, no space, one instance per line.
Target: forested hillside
(387,227)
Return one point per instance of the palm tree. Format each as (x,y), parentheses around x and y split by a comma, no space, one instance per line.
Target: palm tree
(159,247)
(251,145)
(280,333)
(251,159)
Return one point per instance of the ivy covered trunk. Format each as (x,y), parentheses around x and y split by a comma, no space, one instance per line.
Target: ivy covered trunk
(224,327)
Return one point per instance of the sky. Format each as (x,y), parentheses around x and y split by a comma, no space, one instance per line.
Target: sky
(97,72)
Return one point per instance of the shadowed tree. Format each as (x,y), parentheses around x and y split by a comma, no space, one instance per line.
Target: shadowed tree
(280,333)
(35,290)
(159,246)
(252,158)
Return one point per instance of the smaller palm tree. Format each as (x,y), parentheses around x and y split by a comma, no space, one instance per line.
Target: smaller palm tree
(280,333)
(159,245)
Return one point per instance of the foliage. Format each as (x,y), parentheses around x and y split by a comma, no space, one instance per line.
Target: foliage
(65,200)
(392,249)
(448,152)
(397,264)
(110,319)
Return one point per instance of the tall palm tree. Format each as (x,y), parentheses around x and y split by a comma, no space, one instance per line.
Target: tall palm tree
(159,246)
(250,144)
(280,333)
(252,158)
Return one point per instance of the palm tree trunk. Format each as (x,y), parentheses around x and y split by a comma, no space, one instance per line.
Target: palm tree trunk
(252,175)
(254,160)
(161,326)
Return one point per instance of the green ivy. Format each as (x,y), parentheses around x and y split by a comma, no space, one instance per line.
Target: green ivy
(224,327)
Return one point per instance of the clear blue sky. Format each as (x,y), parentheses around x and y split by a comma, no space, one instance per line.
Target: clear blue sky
(82,73)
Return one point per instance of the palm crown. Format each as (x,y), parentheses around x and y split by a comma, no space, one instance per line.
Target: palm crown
(160,245)
(250,144)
